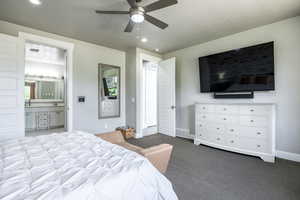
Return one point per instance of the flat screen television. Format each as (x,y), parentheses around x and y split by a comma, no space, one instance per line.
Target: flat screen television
(241,70)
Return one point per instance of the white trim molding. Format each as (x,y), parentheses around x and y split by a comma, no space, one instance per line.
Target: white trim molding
(139,89)
(69,47)
(288,156)
(184,133)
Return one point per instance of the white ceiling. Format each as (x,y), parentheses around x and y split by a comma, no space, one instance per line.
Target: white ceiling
(190,21)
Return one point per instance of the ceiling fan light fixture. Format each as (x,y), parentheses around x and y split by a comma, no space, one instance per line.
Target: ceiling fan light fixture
(137,18)
(139,13)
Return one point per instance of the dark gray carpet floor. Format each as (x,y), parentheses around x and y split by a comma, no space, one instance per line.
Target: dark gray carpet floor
(205,173)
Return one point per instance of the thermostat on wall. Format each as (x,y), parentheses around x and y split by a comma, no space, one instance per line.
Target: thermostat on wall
(81,99)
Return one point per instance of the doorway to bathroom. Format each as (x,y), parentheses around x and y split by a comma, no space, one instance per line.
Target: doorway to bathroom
(45,89)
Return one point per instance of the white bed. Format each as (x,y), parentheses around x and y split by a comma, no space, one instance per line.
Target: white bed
(77,166)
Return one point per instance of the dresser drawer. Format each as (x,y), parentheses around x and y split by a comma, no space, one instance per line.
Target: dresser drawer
(254,110)
(232,130)
(202,135)
(218,139)
(254,121)
(254,132)
(205,117)
(218,129)
(227,109)
(200,128)
(205,108)
(226,119)
(232,141)
(253,145)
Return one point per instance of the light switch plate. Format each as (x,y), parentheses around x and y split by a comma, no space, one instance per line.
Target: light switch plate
(81,99)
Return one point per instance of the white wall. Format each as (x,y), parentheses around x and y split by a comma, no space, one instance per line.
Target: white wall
(131,87)
(86,59)
(44,69)
(286,35)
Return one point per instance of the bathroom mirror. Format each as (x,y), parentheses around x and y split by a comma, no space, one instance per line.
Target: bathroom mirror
(109,91)
(44,89)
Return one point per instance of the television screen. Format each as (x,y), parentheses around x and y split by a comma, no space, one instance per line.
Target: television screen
(240,70)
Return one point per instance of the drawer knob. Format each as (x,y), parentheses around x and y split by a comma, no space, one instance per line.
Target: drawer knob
(200,134)
(252,110)
(232,141)
(252,120)
(218,138)
(203,108)
(231,130)
(225,119)
(200,125)
(258,133)
(203,117)
(224,109)
(218,128)
(258,145)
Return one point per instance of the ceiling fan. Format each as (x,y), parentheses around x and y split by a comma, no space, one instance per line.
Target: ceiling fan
(138,13)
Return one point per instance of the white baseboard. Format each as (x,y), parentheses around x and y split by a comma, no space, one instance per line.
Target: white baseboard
(138,136)
(184,133)
(288,156)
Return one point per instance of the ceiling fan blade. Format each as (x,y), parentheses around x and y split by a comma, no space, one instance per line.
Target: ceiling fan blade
(129,27)
(160,4)
(132,3)
(111,12)
(156,22)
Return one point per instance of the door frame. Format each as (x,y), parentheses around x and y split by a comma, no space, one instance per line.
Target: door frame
(139,91)
(69,47)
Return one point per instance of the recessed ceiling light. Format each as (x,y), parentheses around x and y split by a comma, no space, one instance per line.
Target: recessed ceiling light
(36,2)
(144,39)
(157,50)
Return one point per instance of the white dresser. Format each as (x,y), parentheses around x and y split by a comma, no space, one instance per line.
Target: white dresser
(242,128)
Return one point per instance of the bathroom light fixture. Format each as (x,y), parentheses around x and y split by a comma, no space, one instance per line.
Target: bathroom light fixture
(144,40)
(157,50)
(36,2)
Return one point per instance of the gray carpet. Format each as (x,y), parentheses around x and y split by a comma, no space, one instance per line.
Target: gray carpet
(205,173)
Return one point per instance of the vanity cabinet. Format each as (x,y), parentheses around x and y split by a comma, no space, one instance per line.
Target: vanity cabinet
(242,128)
(57,119)
(30,121)
(43,118)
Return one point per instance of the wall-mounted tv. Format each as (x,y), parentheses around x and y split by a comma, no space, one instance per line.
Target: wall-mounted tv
(241,70)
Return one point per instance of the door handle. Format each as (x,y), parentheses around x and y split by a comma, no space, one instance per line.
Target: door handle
(173,107)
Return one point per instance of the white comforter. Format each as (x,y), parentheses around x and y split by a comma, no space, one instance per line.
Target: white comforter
(77,166)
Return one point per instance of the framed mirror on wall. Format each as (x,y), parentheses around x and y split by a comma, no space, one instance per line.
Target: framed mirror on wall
(108,91)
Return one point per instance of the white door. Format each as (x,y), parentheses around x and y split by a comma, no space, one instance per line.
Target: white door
(166,97)
(11,90)
(150,95)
